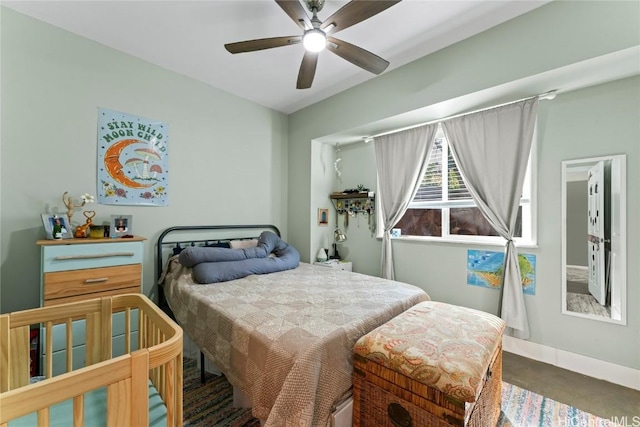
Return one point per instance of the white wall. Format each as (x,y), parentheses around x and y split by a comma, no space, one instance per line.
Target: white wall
(517,55)
(52,84)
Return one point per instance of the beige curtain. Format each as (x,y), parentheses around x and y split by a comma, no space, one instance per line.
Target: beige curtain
(401,159)
(491,149)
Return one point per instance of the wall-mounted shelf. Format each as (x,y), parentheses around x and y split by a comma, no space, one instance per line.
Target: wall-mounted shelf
(352,204)
(338,196)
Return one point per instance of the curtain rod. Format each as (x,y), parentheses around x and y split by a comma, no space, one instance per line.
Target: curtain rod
(547,95)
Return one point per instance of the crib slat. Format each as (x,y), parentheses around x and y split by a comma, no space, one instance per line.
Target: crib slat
(118,403)
(167,391)
(78,411)
(4,353)
(19,354)
(127,330)
(106,333)
(153,339)
(49,350)
(162,381)
(69,351)
(92,339)
(140,393)
(178,387)
(141,329)
(43,417)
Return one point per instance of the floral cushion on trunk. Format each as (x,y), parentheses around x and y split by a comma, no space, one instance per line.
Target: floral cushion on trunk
(444,346)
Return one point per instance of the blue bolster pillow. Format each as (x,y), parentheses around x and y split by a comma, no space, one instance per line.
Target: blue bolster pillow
(211,265)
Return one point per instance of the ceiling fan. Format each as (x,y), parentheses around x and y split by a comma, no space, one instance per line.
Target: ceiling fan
(317,36)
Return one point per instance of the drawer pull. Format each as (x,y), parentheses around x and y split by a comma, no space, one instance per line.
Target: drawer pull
(112,254)
(399,416)
(98,280)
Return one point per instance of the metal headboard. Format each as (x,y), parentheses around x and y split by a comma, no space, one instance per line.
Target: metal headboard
(165,239)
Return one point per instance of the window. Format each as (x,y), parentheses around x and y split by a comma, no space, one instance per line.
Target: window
(443,207)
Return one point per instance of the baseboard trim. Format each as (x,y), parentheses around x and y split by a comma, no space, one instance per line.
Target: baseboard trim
(600,369)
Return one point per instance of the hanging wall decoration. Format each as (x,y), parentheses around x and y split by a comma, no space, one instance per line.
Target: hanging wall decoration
(133,167)
(484,269)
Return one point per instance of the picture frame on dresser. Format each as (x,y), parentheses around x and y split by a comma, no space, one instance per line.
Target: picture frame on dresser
(121,225)
(49,222)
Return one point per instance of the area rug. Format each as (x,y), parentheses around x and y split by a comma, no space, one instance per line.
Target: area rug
(211,404)
(524,408)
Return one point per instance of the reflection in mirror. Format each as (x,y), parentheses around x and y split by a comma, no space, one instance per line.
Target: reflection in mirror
(594,238)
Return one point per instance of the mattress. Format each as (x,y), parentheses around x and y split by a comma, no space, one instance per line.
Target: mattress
(286,338)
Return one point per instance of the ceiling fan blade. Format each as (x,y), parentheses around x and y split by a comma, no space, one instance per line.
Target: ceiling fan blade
(260,44)
(356,55)
(307,70)
(296,11)
(353,12)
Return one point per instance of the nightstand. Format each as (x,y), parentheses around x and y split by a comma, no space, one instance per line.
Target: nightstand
(339,264)
(79,269)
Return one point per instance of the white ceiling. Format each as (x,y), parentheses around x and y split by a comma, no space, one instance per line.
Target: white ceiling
(188,37)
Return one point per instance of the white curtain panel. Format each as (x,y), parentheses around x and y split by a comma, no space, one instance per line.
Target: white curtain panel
(492,148)
(401,159)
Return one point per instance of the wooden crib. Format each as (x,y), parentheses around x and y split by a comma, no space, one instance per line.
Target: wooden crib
(124,386)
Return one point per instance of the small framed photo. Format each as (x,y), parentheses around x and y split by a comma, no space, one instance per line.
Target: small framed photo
(323,217)
(56,226)
(121,225)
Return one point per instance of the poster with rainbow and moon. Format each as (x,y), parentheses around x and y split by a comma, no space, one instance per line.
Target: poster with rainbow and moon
(133,166)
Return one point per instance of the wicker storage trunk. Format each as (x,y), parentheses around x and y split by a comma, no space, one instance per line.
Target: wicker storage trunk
(405,372)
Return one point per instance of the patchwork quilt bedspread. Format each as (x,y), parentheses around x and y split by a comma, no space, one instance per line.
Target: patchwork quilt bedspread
(286,339)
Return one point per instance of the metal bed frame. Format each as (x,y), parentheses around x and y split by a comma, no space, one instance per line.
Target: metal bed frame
(163,242)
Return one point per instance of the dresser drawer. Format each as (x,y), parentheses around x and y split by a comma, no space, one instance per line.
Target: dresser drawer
(73,285)
(75,257)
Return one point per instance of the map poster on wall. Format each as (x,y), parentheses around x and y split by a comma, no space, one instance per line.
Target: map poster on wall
(132,160)
(484,268)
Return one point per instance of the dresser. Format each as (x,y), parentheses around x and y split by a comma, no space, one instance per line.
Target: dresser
(78,269)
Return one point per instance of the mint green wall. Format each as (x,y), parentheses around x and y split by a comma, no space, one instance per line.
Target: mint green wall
(358,167)
(588,122)
(52,84)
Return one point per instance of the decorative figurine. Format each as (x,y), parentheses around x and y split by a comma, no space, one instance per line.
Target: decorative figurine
(83,230)
(68,202)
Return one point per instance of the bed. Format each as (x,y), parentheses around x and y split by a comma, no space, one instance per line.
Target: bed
(143,386)
(284,339)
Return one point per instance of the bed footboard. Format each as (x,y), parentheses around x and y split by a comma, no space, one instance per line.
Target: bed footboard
(151,365)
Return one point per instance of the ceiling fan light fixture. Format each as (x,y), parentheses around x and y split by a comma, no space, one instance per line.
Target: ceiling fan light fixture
(317,35)
(314,40)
